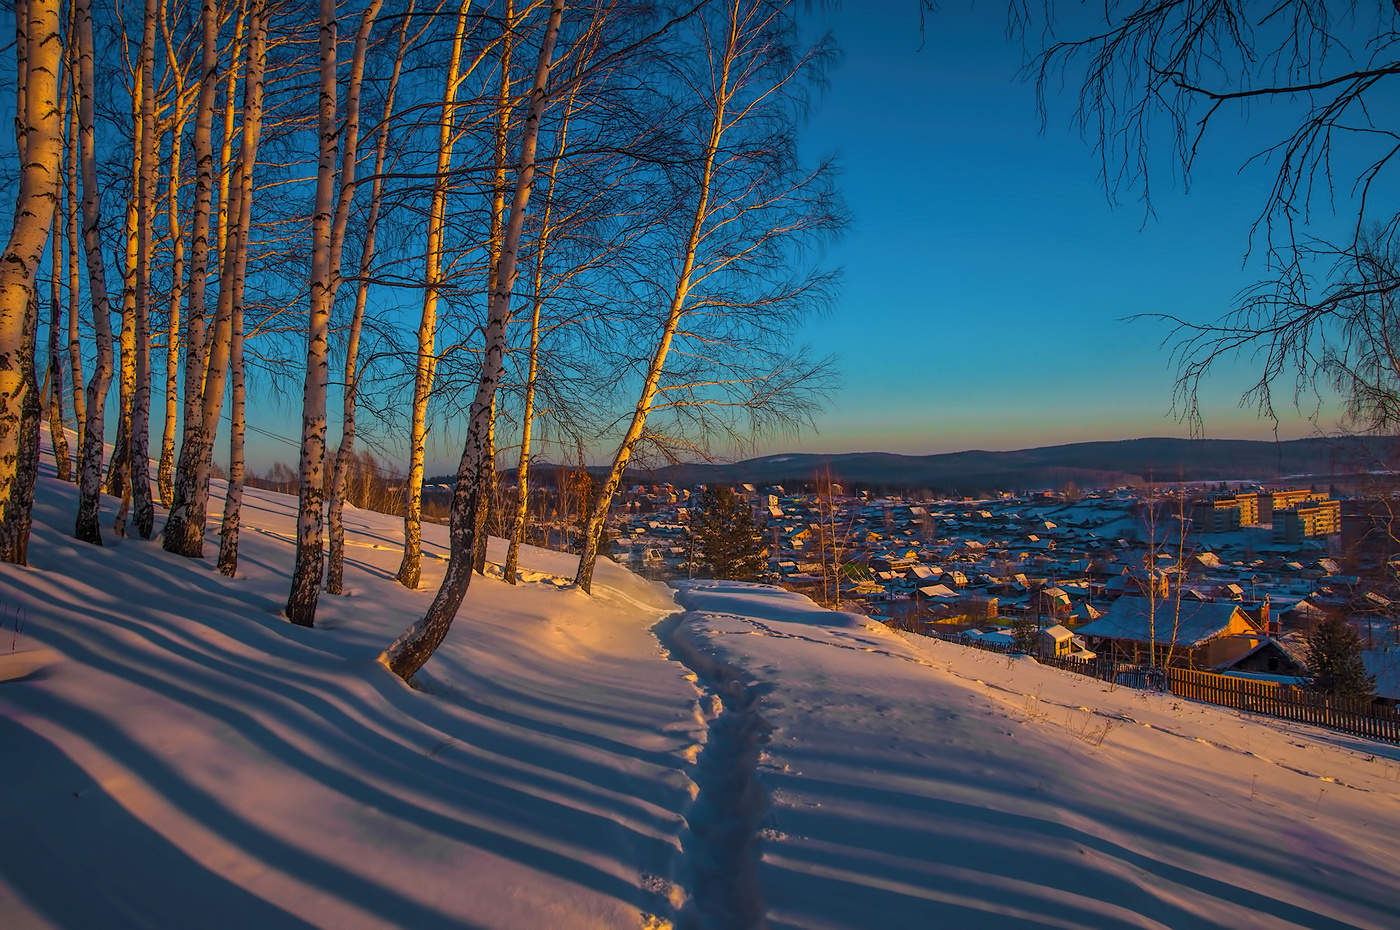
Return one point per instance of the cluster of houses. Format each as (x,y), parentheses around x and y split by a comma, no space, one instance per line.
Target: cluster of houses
(1119,572)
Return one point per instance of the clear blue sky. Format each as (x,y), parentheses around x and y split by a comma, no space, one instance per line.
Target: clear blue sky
(987,276)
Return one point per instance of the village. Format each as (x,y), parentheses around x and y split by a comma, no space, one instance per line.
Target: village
(1226,581)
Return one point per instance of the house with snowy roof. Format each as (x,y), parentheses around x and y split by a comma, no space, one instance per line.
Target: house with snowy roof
(1200,635)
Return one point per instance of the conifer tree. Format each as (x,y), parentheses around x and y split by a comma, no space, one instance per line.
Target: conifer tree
(1334,658)
(728,538)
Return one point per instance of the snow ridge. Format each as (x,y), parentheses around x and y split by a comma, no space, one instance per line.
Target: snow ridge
(720,843)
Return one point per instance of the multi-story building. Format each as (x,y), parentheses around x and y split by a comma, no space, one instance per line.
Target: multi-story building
(1247,504)
(1319,518)
(1211,517)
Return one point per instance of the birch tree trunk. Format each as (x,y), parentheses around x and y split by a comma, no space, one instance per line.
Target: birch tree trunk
(54,379)
(119,469)
(233,496)
(90,470)
(39,54)
(226,162)
(181,536)
(407,654)
(306,576)
(329,241)
(598,513)
(335,572)
(70,186)
(166,468)
(410,569)
(498,211)
(231,270)
(143,514)
(527,413)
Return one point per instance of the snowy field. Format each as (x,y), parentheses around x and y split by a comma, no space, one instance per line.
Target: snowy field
(177,755)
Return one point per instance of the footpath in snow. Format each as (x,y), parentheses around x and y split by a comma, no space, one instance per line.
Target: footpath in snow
(178,755)
(907,782)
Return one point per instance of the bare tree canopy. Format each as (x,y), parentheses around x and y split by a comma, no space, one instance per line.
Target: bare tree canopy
(1316,81)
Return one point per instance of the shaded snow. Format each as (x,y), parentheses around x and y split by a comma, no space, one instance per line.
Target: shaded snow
(918,783)
(178,755)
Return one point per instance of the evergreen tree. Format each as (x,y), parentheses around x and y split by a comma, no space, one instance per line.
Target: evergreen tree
(727,536)
(1025,635)
(1334,658)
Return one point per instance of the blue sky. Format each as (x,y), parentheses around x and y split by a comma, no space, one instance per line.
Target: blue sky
(986,274)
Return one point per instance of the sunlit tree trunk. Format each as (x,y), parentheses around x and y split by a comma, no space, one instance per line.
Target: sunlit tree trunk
(119,469)
(415,646)
(410,569)
(143,515)
(231,269)
(70,187)
(54,379)
(527,413)
(335,572)
(598,513)
(227,165)
(38,138)
(181,535)
(166,468)
(90,466)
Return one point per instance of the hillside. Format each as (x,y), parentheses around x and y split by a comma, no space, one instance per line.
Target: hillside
(1087,464)
(721,756)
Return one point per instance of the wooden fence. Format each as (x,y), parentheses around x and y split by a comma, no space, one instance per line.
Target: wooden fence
(1358,716)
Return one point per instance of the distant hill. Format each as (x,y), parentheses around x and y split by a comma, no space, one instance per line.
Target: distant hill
(1087,464)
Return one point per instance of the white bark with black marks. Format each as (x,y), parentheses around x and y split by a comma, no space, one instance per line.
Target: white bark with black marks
(90,464)
(39,51)
(407,654)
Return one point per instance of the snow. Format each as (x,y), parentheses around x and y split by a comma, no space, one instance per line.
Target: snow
(913,782)
(179,755)
(720,756)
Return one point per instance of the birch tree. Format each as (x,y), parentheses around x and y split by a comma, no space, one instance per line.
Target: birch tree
(749,203)
(407,654)
(182,534)
(410,568)
(335,571)
(328,240)
(54,379)
(140,455)
(39,50)
(166,468)
(226,349)
(184,531)
(70,227)
(90,465)
(498,210)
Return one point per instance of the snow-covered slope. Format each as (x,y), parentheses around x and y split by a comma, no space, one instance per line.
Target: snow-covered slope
(914,783)
(177,755)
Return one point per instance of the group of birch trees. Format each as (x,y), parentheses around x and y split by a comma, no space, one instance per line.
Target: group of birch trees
(509,221)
